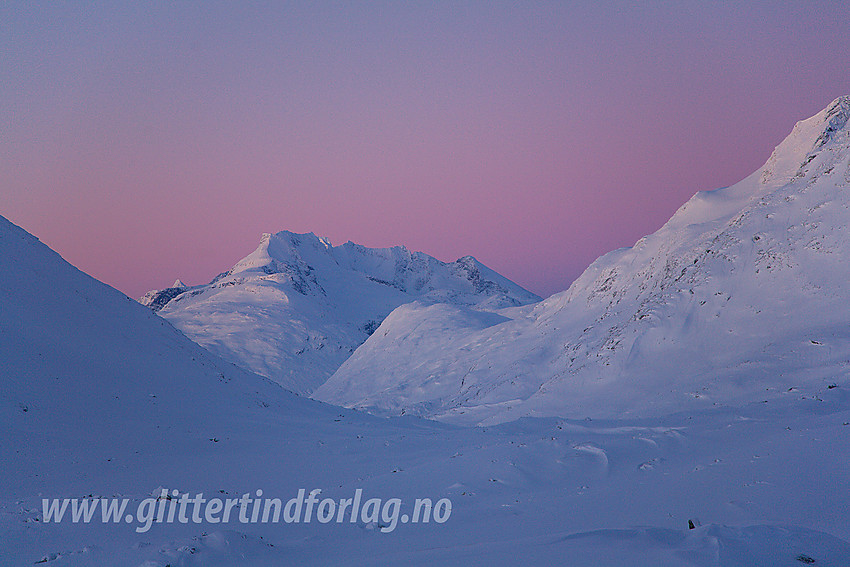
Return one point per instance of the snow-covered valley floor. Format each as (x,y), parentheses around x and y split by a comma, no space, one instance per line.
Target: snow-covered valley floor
(765,485)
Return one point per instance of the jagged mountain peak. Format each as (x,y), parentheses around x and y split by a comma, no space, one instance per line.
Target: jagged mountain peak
(297,306)
(820,138)
(282,247)
(470,261)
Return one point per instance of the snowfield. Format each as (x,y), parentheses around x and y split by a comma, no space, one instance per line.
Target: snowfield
(694,388)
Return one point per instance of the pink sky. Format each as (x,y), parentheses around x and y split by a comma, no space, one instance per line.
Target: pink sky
(149,143)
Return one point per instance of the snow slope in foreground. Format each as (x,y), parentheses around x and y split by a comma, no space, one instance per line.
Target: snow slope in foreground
(742,295)
(101,398)
(297,307)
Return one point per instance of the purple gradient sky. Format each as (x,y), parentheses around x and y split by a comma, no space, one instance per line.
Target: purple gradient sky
(150,141)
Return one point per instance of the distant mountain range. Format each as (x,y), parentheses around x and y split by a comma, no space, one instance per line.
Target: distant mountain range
(297,307)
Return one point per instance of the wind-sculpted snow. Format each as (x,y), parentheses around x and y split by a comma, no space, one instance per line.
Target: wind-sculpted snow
(741,296)
(297,307)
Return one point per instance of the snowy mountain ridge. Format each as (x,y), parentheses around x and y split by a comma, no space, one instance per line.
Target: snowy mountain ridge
(295,308)
(740,296)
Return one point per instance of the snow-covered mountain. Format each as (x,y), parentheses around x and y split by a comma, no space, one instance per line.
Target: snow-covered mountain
(295,308)
(89,374)
(741,296)
(100,398)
